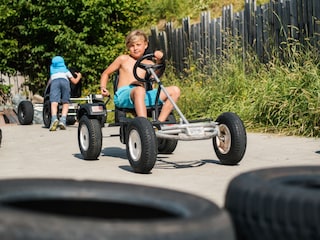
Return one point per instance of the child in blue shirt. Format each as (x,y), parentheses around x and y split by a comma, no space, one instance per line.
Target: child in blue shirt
(60,91)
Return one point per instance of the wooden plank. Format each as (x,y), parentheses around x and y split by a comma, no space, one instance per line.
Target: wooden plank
(153,38)
(186,41)
(180,49)
(176,49)
(202,36)
(294,28)
(198,40)
(218,36)
(300,19)
(285,19)
(276,24)
(305,19)
(227,27)
(266,33)
(241,33)
(163,42)
(213,42)
(259,32)
(168,29)
(316,13)
(247,22)
(310,18)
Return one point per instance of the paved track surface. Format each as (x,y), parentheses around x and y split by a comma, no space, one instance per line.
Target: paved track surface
(34,152)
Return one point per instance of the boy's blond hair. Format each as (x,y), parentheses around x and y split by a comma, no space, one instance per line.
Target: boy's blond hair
(134,36)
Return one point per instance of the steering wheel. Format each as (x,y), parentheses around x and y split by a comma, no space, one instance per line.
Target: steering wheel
(157,67)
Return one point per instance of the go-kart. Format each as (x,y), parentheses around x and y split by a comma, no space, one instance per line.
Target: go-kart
(74,104)
(146,137)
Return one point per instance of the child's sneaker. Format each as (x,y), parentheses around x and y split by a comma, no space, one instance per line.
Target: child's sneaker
(62,126)
(54,125)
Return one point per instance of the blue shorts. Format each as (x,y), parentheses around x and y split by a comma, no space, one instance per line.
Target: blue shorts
(60,90)
(122,97)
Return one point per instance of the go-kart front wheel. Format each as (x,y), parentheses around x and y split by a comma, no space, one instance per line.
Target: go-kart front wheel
(89,138)
(230,145)
(141,145)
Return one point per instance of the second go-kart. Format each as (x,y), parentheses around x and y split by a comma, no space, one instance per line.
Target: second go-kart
(146,137)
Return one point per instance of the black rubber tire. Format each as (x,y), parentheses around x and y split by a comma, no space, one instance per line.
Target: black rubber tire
(276,203)
(89,138)
(230,146)
(71,120)
(46,114)
(25,112)
(69,209)
(141,145)
(167,146)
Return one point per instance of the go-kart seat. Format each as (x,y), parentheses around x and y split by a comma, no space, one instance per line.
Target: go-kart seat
(75,89)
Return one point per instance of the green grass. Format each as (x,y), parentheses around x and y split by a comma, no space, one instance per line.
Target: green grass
(278,97)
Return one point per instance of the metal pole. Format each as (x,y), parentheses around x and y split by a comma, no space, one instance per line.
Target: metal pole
(168,96)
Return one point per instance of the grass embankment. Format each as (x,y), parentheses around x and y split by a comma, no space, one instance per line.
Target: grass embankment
(278,97)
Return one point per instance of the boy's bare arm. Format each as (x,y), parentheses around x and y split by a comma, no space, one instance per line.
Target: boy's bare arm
(113,67)
(77,79)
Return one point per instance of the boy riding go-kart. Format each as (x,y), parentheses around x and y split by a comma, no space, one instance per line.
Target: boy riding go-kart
(146,137)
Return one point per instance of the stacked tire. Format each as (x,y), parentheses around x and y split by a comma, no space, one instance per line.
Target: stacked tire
(276,203)
(69,209)
(25,112)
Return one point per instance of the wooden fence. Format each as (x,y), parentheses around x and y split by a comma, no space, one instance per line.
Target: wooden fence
(262,29)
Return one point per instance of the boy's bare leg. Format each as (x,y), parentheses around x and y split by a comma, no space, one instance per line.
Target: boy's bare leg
(167,107)
(137,96)
(65,109)
(54,108)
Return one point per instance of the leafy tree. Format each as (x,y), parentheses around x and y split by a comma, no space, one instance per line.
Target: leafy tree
(89,34)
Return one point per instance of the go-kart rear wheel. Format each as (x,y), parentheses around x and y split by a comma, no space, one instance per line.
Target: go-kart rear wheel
(71,120)
(141,145)
(25,112)
(46,114)
(230,144)
(167,146)
(89,138)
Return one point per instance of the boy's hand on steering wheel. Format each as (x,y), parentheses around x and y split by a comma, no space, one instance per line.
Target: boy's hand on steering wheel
(158,55)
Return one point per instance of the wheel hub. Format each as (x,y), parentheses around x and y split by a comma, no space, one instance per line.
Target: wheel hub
(135,145)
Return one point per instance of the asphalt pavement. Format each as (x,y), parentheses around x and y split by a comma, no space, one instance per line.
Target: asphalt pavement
(32,151)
